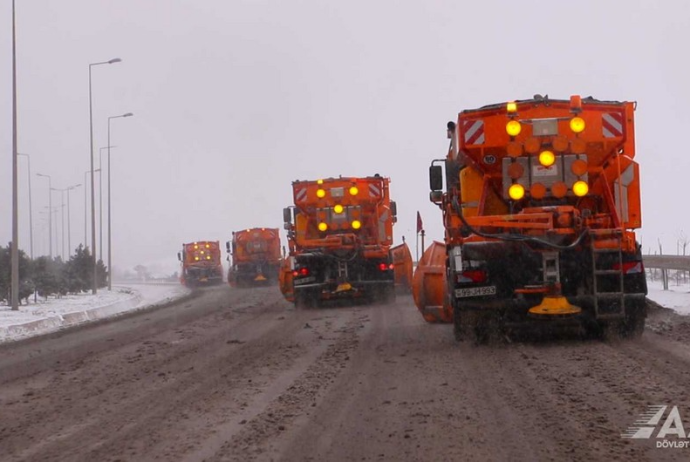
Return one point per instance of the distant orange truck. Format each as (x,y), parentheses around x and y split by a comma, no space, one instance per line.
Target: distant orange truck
(255,256)
(201,264)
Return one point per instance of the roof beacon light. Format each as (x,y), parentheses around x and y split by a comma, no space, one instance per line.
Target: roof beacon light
(513,128)
(511,107)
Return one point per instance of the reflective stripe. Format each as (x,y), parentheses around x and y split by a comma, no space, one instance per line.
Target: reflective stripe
(612,124)
(374,190)
(382,226)
(622,183)
(301,194)
(474,131)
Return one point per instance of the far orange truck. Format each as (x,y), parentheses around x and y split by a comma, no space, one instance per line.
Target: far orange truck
(255,257)
(201,263)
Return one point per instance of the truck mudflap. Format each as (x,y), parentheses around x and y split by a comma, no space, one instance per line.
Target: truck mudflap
(429,285)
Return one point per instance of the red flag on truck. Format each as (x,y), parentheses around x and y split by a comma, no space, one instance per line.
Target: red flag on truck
(420,225)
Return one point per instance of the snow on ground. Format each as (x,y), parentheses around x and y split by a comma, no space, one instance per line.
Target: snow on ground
(677,297)
(46,316)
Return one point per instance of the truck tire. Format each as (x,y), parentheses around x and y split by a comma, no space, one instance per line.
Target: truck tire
(305,300)
(635,318)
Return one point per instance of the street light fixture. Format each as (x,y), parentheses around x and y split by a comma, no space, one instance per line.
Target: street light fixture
(50,217)
(31,213)
(110,242)
(93,187)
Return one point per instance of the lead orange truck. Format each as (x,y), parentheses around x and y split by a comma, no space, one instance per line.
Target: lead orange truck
(201,263)
(255,257)
(540,204)
(340,233)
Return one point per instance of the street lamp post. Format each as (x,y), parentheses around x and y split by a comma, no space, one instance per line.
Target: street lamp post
(86,206)
(93,187)
(15,196)
(69,227)
(50,217)
(69,231)
(62,221)
(110,242)
(100,197)
(31,213)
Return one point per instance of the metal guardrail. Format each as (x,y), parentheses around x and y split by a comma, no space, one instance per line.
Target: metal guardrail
(672,262)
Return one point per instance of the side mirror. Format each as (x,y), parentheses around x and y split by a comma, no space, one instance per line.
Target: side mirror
(227,246)
(179,256)
(394,208)
(436,197)
(287,216)
(436,178)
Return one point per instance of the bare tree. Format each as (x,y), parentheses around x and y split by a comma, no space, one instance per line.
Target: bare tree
(682,243)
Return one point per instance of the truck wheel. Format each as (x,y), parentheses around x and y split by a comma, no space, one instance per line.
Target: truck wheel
(304,300)
(464,325)
(634,322)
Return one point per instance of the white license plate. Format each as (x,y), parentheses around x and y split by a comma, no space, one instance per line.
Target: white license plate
(305,280)
(475,291)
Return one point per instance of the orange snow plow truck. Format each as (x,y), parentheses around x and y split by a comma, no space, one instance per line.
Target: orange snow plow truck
(255,257)
(340,232)
(201,263)
(540,204)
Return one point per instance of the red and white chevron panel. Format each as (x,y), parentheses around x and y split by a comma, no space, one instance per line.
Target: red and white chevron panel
(612,124)
(473,131)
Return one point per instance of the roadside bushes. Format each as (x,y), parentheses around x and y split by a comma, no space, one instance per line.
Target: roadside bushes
(48,276)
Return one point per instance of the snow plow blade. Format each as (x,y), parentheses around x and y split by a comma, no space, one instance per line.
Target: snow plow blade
(429,285)
(402,265)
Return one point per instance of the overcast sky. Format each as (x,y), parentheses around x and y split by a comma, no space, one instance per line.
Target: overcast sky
(233,100)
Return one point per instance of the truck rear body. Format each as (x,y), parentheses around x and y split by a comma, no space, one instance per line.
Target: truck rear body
(541,201)
(201,263)
(340,231)
(255,257)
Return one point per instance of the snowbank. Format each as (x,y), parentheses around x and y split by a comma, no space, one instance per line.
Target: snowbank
(677,297)
(55,313)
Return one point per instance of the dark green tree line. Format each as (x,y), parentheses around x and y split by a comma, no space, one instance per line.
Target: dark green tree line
(50,277)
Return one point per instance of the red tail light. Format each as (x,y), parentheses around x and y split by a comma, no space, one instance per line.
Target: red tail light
(386,266)
(475,276)
(301,272)
(630,267)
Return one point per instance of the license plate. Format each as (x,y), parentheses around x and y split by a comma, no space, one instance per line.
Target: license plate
(475,291)
(305,280)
